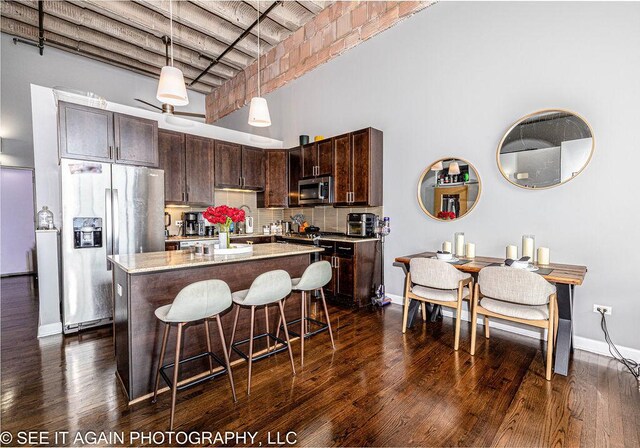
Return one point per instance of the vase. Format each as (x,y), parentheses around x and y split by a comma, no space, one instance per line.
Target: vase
(224,241)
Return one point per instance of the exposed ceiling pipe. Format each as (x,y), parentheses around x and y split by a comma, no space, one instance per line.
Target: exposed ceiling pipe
(81,34)
(92,20)
(30,33)
(203,20)
(233,44)
(41,27)
(292,15)
(142,18)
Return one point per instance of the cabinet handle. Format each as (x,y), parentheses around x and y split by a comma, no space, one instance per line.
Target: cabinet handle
(344,248)
(184,199)
(117,153)
(186,195)
(110,152)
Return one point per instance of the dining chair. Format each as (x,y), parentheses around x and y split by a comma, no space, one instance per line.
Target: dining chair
(519,296)
(439,283)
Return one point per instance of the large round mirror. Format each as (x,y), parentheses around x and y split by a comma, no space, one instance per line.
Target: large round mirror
(448,189)
(545,149)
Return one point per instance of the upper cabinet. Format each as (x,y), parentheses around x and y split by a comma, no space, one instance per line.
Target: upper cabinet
(188,164)
(238,166)
(295,172)
(88,133)
(357,168)
(317,159)
(276,184)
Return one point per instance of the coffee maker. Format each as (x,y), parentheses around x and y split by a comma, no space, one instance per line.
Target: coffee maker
(189,224)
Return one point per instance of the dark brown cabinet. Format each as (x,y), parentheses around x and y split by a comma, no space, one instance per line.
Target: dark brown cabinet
(295,173)
(199,152)
(317,159)
(172,160)
(238,166)
(276,186)
(88,133)
(253,168)
(188,164)
(357,168)
(356,270)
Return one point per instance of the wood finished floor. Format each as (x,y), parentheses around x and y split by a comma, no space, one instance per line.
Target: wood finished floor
(379,388)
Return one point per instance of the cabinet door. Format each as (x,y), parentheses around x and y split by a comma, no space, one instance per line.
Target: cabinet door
(309,160)
(200,170)
(276,183)
(172,160)
(325,157)
(342,162)
(228,164)
(345,281)
(360,172)
(295,171)
(136,140)
(85,132)
(330,288)
(253,168)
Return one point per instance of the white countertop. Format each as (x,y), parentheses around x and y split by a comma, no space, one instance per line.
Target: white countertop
(178,238)
(180,259)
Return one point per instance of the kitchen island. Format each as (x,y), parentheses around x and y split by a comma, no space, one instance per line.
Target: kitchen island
(144,282)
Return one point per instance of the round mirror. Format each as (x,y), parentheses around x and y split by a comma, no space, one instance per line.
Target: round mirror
(545,149)
(448,189)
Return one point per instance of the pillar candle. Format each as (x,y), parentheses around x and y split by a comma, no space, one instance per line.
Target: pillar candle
(512,252)
(446,246)
(527,247)
(470,250)
(459,242)
(543,255)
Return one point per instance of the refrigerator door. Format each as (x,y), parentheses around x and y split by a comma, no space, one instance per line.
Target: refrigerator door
(86,193)
(138,209)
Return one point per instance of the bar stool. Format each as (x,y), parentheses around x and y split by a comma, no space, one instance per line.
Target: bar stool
(316,276)
(200,301)
(268,288)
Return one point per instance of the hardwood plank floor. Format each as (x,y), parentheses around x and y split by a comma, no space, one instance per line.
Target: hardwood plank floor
(379,388)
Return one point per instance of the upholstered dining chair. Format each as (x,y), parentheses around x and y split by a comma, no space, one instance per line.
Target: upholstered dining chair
(439,283)
(519,296)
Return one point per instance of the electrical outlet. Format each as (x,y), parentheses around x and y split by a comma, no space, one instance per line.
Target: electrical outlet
(178,223)
(607,309)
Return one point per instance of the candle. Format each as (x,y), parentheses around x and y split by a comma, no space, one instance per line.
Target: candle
(446,246)
(459,242)
(470,250)
(528,246)
(512,252)
(543,255)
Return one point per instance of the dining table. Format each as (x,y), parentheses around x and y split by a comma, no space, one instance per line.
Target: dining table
(564,276)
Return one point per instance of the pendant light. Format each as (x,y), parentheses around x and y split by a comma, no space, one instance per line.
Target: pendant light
(171,88)
(454,168)
(258,110)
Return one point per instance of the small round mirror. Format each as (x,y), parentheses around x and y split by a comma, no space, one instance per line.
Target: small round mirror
(545,149)
(448,189)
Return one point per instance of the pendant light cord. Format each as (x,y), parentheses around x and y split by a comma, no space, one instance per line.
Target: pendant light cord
(171,28)
(259,49)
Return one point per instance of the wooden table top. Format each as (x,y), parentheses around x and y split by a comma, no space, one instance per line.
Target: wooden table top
(560,273)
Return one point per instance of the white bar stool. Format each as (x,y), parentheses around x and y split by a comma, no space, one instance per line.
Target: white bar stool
(199,301)
(268,288)
(316,276)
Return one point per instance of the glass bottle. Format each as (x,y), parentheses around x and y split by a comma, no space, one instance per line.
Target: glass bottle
(45,219)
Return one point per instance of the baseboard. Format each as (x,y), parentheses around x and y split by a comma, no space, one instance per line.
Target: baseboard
(49,329)
(579,342)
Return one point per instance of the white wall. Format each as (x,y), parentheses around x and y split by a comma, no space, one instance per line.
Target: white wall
(449,82)
(17,237)
(22,65)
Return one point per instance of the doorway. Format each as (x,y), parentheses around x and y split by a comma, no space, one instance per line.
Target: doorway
(17,221)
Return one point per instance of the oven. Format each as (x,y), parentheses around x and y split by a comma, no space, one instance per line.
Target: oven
(315,191)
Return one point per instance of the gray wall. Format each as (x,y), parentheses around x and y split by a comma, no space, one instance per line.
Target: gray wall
(449,82)
(22,65)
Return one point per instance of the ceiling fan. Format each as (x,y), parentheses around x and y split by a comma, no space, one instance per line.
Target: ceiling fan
(168,108)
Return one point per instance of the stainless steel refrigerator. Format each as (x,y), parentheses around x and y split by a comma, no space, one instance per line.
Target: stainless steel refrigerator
(106,209)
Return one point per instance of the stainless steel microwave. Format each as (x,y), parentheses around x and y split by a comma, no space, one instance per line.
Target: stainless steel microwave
(315,191)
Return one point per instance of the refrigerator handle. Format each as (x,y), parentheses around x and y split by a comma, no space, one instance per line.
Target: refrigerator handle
(116,223)
(107,225)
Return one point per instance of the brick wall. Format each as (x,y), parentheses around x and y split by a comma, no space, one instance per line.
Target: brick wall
(337,28)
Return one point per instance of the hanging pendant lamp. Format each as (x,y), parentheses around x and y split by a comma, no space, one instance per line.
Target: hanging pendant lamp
(171,88)
(454,168)
(259,110)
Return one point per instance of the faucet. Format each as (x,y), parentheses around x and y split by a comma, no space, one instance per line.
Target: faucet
(247,207)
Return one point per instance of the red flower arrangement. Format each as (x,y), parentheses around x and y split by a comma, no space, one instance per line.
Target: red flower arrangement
(223,215)
(446,215)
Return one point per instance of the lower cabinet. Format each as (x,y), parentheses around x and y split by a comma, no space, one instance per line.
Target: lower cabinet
(356,269)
